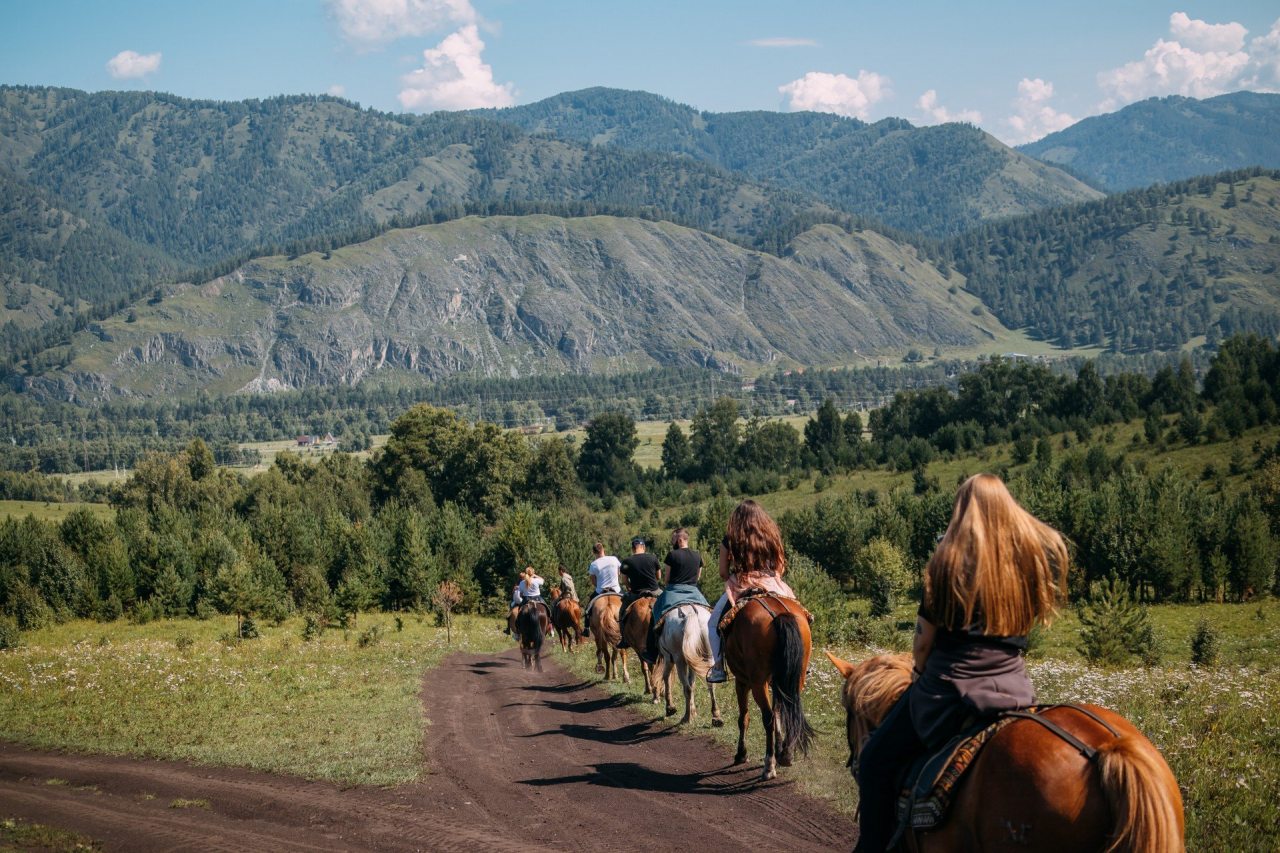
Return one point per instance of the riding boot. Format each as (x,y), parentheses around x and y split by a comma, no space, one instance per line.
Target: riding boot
(649,654)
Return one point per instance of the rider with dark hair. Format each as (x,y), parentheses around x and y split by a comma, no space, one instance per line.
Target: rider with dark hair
(641,572)
(683,569)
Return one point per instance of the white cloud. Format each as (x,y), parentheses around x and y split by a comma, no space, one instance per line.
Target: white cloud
(837,93)
(1033,115)
(128,64)
(935,113)
(1200,35)
(370,23)
(1199,60)
(453,76)
(1264,54)
(782,41)
(337,90)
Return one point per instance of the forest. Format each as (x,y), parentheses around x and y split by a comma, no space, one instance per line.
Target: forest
(469,502)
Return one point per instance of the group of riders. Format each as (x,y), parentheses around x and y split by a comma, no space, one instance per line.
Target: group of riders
(997,571)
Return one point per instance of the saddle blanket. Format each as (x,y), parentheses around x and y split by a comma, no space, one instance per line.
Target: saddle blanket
(931,784)
(749,596)
(662,620)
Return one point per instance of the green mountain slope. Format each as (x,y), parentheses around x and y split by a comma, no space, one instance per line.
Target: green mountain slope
(1168,139)
(934,180)
(207,182)
(512,296)
(1150,269)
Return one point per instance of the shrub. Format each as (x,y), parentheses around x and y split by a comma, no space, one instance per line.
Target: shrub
(183,642)
(878,633)
(111,609)
(1113,626)
(882,572)
(1204,644)
(10,636)
(312,626)
(370,636)
(821,595)
(249,629)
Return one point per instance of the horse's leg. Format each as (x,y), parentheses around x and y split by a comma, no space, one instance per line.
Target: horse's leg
(742,687)
(686,684)
(667,666)
(621,655)
(770,732)
(716,720)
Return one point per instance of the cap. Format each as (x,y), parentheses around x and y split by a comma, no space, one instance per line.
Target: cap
(637,540)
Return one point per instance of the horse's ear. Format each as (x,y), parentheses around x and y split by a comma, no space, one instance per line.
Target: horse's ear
(842,666)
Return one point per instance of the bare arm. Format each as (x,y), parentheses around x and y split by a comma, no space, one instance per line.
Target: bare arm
(724,563)
(922,643)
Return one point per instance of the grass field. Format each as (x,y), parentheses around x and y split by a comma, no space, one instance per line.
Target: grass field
(1215,726)
(49,511)
(325,709)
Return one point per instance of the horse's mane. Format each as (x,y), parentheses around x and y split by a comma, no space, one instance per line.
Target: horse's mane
(872,688)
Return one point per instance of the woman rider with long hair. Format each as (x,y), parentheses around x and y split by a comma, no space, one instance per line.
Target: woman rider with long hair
(997,572)
(751,555)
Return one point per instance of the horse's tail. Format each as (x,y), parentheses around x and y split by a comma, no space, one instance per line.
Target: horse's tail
(696,646)
(610,627)
(788,670)
(530,624)
(1144,798)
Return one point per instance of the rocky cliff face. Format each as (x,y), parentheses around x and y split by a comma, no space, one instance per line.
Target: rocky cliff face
(535,294)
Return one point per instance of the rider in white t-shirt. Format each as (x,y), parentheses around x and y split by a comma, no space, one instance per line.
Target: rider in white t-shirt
(604,571)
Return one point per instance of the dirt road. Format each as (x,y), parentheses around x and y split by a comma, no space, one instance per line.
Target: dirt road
(517,762)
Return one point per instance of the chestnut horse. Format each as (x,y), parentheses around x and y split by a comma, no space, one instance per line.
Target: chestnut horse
(532,626)
(1029,789)
(607,633)
(566,616)
(685,648)
(635,630)
(767,650)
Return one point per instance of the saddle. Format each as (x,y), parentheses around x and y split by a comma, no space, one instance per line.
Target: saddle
(662,620)
(755,593)
(931,783)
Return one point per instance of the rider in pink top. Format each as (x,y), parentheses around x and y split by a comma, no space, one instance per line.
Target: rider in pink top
(750,556)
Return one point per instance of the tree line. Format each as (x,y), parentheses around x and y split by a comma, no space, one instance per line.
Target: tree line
(466,502)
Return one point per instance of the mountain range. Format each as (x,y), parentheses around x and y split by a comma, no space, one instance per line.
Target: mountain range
(1168,139)
(156,245)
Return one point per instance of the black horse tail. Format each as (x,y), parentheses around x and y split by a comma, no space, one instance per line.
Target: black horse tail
(788,670)
(529,624)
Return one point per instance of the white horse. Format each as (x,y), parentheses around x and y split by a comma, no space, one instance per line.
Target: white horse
(685,647)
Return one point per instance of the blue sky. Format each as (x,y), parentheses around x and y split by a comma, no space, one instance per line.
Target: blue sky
(1017,69)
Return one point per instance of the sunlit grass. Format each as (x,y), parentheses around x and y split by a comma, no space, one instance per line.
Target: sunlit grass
(324,709)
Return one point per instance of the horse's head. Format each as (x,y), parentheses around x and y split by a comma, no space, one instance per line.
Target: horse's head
(555,595)
(870,689)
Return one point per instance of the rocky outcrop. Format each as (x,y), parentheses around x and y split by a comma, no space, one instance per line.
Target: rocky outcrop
(539,294)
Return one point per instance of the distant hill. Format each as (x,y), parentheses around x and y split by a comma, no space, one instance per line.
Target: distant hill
(1168,139)
(518,296)
(166,182)
(931,180)
(1151,269)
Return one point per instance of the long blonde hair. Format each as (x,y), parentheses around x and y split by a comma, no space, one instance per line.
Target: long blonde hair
(997,564)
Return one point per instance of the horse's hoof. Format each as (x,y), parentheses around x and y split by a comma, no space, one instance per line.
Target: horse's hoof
(769,773)
(599,668)
(740,758)
(671,712)
(784,759)
(717,723)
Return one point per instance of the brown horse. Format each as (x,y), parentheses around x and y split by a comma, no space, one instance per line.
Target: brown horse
(532,626)
(635,630)
(767,649)
(1029,789)
(566,616)
(607,633)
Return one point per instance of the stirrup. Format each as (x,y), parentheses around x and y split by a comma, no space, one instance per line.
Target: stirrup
(717,675)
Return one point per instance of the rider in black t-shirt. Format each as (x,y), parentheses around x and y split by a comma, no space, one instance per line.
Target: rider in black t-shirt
(641,572)
(684,568)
